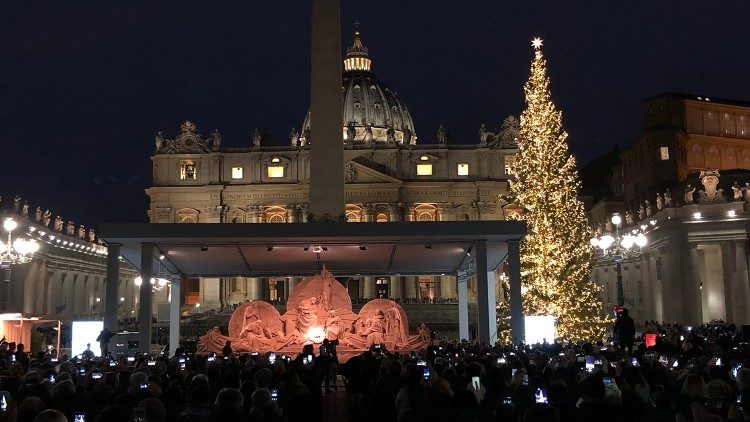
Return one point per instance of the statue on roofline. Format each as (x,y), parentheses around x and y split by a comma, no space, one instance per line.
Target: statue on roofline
(257,138)
(46,217)
(294,137)
(689,194)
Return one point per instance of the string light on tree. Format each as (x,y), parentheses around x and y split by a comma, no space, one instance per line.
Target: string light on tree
(556,255)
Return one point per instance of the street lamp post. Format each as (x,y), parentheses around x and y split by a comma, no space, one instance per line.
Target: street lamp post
(18,251)
(618,246)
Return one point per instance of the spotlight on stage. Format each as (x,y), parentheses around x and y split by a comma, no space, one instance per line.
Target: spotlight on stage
(316,334)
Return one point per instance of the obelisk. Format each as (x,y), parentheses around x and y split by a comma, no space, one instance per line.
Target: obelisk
(326,133)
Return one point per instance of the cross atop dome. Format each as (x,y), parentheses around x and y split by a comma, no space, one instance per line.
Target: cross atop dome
(356,55)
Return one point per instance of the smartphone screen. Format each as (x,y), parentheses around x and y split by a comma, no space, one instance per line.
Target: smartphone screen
(607,380)
(589,364)
(525,379)
(540,395)
(4,400)
(96,375)
(426,373)
(507,400)
(274,394)
(79,417)
(151,363)
(475,382)
(131,359)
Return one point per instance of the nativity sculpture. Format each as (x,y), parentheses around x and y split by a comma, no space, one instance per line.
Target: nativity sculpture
(318,308)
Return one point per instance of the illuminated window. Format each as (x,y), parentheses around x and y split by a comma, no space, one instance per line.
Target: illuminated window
(463,169)
(275,171)
(187,170)
(664,153)
(381,218)
(424,158)
(236,172)
(424,169)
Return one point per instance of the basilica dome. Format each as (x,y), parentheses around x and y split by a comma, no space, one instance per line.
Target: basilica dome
(372,112)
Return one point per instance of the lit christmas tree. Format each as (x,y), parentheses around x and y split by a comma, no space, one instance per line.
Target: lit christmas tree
(556,255)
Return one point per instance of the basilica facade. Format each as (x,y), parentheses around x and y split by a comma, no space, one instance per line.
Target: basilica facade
(389,176)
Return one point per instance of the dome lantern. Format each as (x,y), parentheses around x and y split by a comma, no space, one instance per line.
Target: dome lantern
(356,55)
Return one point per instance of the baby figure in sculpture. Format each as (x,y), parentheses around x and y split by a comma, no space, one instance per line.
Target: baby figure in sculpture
(376,331)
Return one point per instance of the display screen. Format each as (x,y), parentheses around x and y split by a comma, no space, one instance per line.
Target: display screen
(86,332)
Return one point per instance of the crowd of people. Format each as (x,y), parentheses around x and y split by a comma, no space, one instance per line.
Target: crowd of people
(689,373)
(699,373)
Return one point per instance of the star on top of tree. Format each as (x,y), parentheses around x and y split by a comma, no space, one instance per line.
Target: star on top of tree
(536,43)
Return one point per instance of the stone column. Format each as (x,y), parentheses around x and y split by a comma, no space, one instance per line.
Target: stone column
(727,269)
(303,210)
(517,330)
(326,146)
(741,285)
(463,309)
(256,213)
(692,302)
(222,292)
(411,216)
(395,287)
(410,290)
(254,285)
(174,315)
(144,309)
(110,288)
(395,211)
(447,289)
(293,282)
(367,213)
(368,288)
(486,303)
(292,212)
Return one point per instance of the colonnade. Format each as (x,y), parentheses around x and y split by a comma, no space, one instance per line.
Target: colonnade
(690,281)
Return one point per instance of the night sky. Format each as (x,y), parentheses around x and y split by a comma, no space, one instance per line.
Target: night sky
(84,87)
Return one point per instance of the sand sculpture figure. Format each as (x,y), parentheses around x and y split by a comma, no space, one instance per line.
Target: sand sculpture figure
(318,308)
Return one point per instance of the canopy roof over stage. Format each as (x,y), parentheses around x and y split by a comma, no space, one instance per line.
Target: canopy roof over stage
(301,249)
